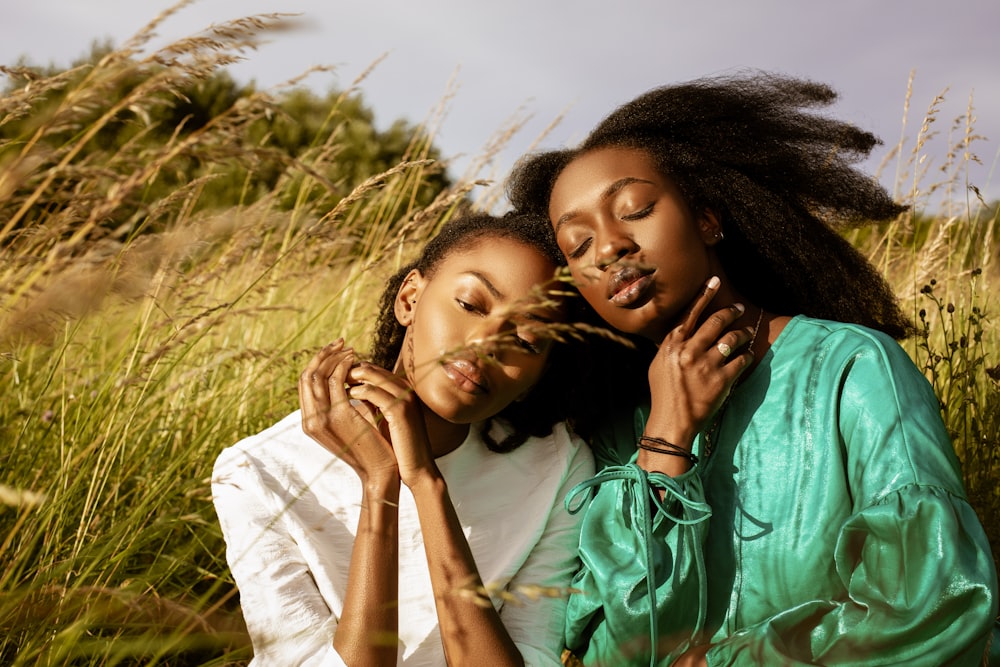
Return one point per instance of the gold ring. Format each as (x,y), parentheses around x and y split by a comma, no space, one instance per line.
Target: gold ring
(724,350)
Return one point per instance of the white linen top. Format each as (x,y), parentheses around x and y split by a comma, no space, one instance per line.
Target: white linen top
(289,512)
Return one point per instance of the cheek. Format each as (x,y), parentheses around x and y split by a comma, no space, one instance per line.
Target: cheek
(587,279)
(527,372)
(433,336)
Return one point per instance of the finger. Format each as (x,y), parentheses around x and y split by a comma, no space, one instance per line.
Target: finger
(732,341)
(306,376)
(367,410)
(713,331)
(368,373)
(373,394)
(736,365)
(336,379)
(695,309)
(306,396)
(314,383)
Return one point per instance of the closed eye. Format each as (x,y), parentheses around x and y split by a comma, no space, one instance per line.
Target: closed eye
(527,345)
(466,306)
(580,250)
(639,215)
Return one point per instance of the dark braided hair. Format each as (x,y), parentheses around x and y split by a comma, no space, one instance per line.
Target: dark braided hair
(552,398)
(780,179)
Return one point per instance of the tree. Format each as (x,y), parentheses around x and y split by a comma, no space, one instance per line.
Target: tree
(110,140)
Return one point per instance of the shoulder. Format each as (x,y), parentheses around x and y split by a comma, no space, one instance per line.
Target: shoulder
(280,447)
(832,331)
(843,343)
(860,369)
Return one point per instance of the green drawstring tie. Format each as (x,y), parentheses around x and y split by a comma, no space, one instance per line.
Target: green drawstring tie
(644,483)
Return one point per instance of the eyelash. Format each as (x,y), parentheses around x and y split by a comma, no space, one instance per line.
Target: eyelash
(579,251)
(465,305)
(527,345)
(638,215)
(523,343)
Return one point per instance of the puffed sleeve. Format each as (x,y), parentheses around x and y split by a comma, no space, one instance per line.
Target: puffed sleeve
(535,616)
(912,559)
(288,620)
(642,564)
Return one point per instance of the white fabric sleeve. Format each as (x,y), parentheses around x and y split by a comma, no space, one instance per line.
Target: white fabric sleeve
(288,620)
(535,617)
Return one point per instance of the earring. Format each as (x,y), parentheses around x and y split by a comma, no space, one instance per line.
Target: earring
(719,236)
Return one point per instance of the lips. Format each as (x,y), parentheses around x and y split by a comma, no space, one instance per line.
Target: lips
(629,286)
(466,376)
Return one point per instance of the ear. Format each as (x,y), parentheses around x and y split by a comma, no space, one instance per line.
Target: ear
(407,297)
(710,227)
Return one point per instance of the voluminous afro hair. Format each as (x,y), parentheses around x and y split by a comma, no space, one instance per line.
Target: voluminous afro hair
(780,178)
(553,398)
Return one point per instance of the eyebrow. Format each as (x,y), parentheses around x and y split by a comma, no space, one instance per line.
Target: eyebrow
(486,283)
(500,295)
(608,192)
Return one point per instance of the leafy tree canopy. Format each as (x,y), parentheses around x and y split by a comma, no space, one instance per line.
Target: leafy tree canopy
(115,137)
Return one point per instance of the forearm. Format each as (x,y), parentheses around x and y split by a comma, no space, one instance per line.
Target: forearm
(470,625)
(367,634)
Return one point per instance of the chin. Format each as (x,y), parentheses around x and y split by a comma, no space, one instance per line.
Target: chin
(452,411)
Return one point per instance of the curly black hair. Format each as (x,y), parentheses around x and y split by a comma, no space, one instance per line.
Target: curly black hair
(780,178)
(552,398)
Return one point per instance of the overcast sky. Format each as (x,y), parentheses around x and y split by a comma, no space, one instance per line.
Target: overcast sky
(582,57)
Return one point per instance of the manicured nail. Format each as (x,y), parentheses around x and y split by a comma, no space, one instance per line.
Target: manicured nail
(739,307)
(713,282)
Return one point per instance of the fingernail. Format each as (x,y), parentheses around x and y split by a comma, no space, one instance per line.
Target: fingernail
(739,307)
(713,282)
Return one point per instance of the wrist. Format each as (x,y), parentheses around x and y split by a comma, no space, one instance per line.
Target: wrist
(426,480)
(382,486)
(671,466)
(671,431)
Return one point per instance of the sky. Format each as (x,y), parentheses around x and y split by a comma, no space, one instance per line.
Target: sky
(575,60)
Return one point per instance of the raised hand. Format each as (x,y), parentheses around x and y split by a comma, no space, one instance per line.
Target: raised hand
(329,417)
(394,399)
(690,374)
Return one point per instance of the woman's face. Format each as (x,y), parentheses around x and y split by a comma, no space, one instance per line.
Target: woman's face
(636,251)
(475,338)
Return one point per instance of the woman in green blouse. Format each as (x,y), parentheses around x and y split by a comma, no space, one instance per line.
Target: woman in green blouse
(787,494)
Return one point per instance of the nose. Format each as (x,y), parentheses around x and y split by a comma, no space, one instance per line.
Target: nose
(485,339)
(613,244)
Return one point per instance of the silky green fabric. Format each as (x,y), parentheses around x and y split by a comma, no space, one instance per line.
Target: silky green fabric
(829,526)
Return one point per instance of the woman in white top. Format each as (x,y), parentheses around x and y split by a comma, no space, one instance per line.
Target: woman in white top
(411,512)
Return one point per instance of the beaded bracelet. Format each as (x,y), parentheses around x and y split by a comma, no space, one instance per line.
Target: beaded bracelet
(665,447)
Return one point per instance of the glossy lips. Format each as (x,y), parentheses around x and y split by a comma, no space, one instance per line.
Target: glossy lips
(629,286)
(467,376)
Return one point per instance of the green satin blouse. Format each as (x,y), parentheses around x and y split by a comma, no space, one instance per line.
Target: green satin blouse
(828,526)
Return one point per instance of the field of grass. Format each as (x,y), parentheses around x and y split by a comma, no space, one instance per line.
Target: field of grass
(130,355)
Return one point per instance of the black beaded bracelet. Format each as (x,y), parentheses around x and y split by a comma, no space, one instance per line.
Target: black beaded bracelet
(665,447)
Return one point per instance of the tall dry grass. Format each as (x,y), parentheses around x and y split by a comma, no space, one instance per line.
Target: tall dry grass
(942,258)
(131,356)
